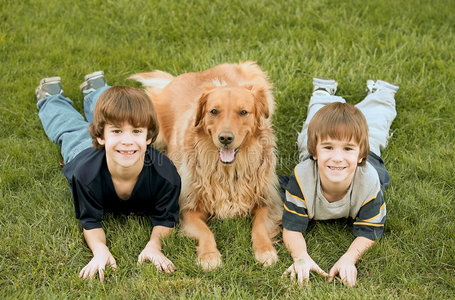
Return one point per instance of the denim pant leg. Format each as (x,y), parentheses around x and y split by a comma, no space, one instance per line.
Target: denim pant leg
(316,103)
(64,125)
(90,102)
(379,110)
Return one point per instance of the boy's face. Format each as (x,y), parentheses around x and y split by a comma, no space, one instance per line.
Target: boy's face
(125,145)
(337,161)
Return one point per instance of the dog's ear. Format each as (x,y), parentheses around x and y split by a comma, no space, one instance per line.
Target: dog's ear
(200,108)
(262,107)
(201,103)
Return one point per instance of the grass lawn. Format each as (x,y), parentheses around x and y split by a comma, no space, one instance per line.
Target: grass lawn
(409,43)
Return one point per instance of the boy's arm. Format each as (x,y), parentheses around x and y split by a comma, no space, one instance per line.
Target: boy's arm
(96,240)
(368,226)
(303,263)
(345,266)
(152,250)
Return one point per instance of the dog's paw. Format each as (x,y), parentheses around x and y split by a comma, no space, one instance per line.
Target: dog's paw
(266,257)
(209,260)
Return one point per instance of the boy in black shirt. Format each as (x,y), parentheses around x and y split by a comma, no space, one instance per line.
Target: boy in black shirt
(121,173)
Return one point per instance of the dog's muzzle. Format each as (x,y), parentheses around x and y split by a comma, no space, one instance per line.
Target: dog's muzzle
(227,155)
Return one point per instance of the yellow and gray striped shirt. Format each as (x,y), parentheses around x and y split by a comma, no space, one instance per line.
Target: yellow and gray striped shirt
(364,201)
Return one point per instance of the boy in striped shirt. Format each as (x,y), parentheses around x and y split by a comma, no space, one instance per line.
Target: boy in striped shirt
(340,174)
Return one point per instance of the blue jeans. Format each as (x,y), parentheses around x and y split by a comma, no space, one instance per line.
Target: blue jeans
(65,126)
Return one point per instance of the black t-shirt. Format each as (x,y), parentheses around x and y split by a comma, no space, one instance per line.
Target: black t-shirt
(155,194)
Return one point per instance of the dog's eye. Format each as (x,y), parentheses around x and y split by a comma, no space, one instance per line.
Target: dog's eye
(243,112)
(214,112)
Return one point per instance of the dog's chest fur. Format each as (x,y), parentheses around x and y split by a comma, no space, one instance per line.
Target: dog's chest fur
(223,191)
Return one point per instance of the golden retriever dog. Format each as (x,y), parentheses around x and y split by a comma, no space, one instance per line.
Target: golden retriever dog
(215,126)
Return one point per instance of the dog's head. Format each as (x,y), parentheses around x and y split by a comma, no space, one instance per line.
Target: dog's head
(230,115)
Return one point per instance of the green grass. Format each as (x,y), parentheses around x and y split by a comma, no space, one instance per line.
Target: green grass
(410,43)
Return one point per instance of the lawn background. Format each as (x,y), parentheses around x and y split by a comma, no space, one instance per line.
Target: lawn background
(409,43)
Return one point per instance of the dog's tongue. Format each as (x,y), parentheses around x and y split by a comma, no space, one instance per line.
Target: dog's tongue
(227,155)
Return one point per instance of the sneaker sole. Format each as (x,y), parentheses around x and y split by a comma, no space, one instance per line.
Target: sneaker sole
(91,76)
(323,81)
(385,85)
(48,80)
(326,85)
(94,75)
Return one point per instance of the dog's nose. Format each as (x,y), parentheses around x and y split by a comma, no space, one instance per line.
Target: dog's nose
(226,137)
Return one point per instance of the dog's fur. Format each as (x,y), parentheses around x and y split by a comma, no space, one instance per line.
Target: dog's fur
(205,118)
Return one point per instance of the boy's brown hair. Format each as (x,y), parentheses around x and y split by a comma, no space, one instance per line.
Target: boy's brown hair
(339,121)
(120,104)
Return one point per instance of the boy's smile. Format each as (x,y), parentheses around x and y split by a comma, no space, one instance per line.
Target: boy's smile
(337,161)
(125,145)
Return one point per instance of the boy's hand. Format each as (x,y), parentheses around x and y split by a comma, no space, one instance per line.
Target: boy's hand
(98,264)
(345,266)
(161,262)
(302,267)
